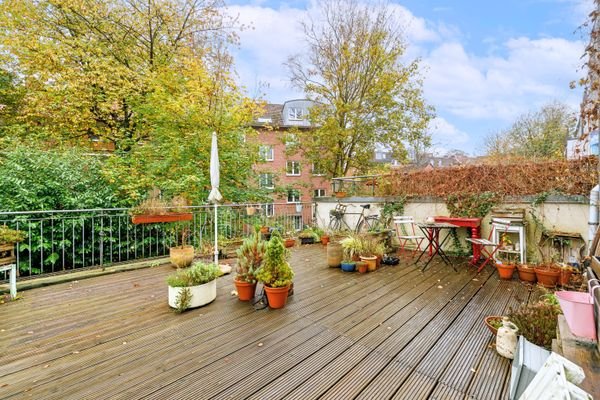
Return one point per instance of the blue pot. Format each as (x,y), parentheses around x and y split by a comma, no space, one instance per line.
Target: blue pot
(348,267)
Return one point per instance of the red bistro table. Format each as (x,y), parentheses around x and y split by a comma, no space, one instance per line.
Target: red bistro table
(473,223)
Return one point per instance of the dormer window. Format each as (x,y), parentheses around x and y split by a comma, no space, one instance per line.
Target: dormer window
(295,113)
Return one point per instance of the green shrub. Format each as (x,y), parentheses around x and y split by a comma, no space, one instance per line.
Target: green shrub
(275,271)
(8,235)
(198,274)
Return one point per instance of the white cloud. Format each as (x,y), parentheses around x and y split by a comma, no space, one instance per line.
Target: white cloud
(532,72)
(445,136)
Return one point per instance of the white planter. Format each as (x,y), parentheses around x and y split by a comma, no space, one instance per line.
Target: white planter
(201,294)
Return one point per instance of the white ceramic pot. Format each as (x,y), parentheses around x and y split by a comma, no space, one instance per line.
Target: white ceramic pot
(201,294)
(506,339)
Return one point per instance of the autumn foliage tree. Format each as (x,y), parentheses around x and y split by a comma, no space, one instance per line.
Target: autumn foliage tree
(364,92)
(152,77)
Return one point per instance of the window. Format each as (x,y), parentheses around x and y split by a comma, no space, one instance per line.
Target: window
(298,225)
(292,168)
(319,193)
(379,155)
(291,140)
(295,113)
(266,153)
(269,209)
(265,181)
(317,169)
(293,196)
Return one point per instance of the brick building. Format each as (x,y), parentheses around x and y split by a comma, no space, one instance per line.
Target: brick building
(283,167)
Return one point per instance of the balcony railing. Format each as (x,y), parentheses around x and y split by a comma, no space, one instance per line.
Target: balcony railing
(64,240)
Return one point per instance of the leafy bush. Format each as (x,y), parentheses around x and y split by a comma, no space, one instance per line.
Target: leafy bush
(36,179)
(537,322)
(198,274)
(8,235)
(275,271)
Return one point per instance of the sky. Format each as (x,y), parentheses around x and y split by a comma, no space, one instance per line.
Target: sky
(484,63)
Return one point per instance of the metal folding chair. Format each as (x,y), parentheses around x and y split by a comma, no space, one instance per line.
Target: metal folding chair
(405,231)
(498,224)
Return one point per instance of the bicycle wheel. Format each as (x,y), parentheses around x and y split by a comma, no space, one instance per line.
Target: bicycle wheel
(335,224)
(366,224)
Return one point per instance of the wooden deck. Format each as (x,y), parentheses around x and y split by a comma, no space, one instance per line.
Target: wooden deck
(396,333)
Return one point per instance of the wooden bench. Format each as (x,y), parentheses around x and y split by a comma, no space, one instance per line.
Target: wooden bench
(7,263)
(13,278)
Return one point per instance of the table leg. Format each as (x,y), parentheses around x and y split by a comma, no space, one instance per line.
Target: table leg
(476,234)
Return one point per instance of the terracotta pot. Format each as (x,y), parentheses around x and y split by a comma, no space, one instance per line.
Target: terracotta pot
(547,277)
(154,218)
(505,271)
(181,257)
(324,239)
(526,273)
(289,242)
(245,290)
(362,267)
(371,262)
(277,297)
(340,195)
(334,254)
(488,320)
(264,230)
(378,263)
(564,277)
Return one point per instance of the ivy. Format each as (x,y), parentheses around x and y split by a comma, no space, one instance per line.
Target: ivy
(476,205)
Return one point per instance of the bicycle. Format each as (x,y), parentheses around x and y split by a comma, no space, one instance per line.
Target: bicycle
(364,224)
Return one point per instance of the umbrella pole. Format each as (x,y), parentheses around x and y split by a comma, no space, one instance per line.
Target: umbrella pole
(216,240)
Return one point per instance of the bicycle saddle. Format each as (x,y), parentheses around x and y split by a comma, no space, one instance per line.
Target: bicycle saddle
(365,206)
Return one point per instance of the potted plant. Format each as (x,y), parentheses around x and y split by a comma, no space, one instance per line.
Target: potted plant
(181,254)
(526,273)
(565,274)
(361,267)
(154,209)
(493,322)
(352,245)
(348,265)
(250,256)
(193,287)
(506,266)
(289,240)
(537,321)
(8,239)
(275,272)
(308,236)
(547,275)
(368,254)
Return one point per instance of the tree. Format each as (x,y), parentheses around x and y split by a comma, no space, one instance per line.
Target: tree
(539,134)
(85,65)
(363,93)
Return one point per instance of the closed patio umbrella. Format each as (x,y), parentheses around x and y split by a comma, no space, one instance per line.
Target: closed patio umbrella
(215,196)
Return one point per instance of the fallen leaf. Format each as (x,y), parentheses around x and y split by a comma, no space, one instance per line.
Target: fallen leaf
(124,342)
(30,332)
(75,352)
(476,280)
(4,385)
(260,344)
(46,366)
(473,370)
(440,287)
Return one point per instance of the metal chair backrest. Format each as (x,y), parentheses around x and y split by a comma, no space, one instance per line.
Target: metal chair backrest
(401,222)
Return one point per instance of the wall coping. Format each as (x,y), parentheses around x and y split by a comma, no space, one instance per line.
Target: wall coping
(551,199)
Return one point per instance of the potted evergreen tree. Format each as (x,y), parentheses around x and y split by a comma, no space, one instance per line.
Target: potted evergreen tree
(275,272)
(250,257)
(193,287)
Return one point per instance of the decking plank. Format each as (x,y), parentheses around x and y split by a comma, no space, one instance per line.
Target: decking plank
(392,333)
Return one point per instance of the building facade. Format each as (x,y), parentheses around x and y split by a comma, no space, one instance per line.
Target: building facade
(283,169)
